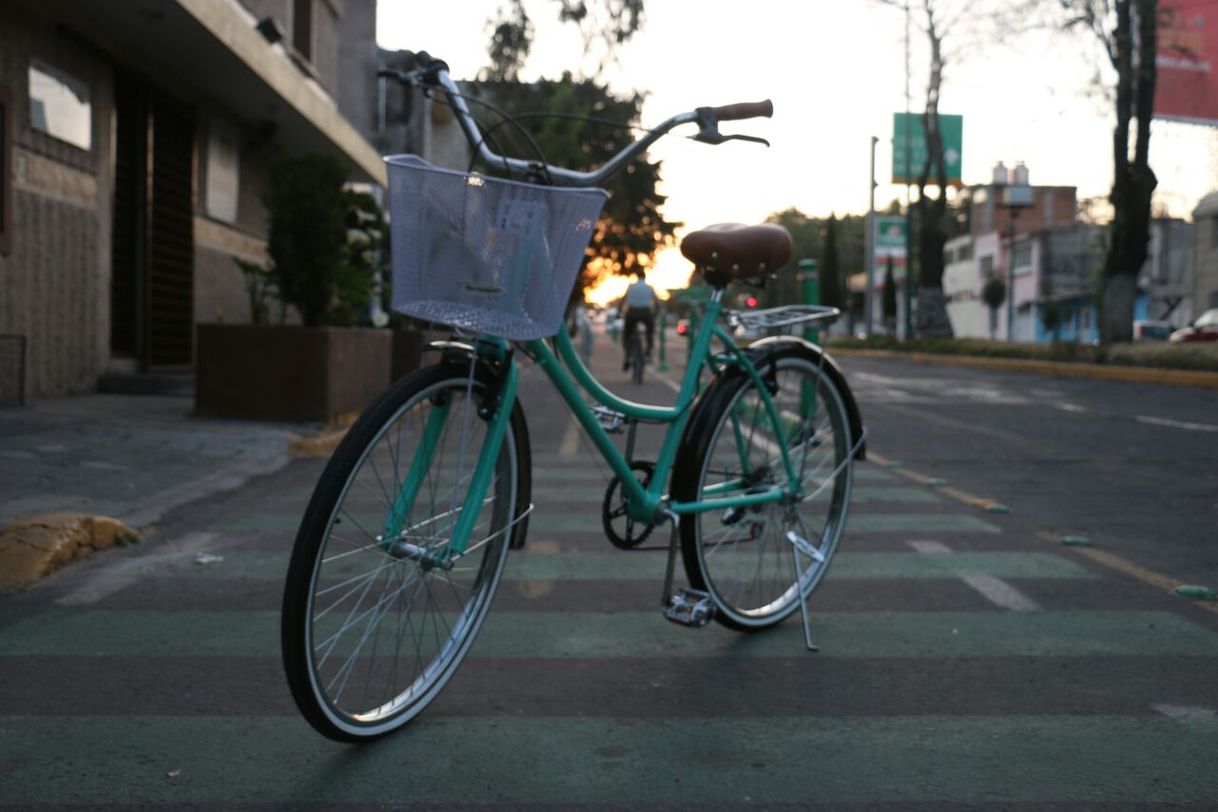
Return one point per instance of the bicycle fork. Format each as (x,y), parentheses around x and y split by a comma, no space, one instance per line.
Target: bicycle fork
(496,410)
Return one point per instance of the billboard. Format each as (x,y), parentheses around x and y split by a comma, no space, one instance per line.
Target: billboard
(1187,84)
(909,147)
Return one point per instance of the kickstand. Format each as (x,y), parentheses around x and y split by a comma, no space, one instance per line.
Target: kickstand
(803,601)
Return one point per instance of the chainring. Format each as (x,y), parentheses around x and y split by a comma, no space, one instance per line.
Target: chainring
(628,533)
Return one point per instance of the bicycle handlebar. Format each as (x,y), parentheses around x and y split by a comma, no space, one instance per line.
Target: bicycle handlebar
(435,72)
(742,110)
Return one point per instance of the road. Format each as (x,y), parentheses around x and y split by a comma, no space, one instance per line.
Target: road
(966,659)
(1134,468)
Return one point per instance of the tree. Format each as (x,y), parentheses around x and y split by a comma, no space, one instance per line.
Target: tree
(993,294)
(307,236)
(888,300)
(830,267)
(931,212)
(603,24)
(808,237)
(1127,32)
(631,228)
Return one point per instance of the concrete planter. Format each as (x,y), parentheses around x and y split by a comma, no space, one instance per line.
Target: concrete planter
(288,372)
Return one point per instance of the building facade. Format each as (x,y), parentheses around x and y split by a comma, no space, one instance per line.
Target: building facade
(135,140)
(1205,255)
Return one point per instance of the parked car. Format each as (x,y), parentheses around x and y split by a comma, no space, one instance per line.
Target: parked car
(1151,330)
(1205,328)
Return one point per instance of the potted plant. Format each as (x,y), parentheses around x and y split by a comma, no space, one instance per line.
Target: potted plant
(324,248)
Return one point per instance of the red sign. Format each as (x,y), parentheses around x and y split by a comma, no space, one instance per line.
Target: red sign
(1187,83)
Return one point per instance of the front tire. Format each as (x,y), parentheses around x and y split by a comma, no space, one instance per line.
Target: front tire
(745,558)
(370,638)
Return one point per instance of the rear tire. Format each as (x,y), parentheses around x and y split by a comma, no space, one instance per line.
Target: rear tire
(370,639)
(743,557)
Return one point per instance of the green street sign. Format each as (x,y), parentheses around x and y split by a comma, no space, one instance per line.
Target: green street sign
(909,147)
(889,237)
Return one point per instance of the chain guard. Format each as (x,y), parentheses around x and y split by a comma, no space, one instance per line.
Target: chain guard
(628,533)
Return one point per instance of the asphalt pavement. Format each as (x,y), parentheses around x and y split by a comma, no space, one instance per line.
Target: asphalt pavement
(968,658)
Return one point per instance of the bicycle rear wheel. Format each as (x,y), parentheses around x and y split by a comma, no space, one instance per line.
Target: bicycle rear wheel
(636,359)
(756,562)
(372,630)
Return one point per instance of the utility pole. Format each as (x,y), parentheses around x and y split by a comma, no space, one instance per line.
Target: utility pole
(869,248)
(909,281)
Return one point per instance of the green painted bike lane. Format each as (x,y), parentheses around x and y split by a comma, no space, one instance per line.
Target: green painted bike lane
(783,751)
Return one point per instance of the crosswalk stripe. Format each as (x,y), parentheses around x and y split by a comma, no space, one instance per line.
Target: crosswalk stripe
(646,634)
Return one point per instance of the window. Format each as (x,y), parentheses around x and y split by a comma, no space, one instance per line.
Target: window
(6,170)
(302,28)
(223,177)
(60,106)
(1022,255)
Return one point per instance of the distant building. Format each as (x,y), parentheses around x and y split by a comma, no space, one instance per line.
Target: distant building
(1205,257)
(1055,262)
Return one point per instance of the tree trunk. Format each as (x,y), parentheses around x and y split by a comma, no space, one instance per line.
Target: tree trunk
(1133,181)
(932,320)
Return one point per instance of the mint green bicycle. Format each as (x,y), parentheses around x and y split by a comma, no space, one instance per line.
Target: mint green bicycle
(404,541)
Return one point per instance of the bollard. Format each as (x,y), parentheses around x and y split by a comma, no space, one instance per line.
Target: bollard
(663,325)
(810,289)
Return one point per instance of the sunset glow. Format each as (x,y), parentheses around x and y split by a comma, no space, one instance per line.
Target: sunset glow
(670,271)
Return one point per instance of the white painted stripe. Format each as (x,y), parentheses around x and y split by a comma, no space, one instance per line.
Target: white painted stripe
(1175,424)
(995,590)
(930,547)
(1000,593)
(1186,713)
(121,574)
(570,439)
(667,381)
(1073,408)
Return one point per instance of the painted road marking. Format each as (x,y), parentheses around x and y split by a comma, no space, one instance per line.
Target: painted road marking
(979,502)
(1073,408)
(992,588)
(542,560)
(1175,424)
(1147,576)
(1000,593)
(849,635)
(570,438)
(1024,761)
(1187,713)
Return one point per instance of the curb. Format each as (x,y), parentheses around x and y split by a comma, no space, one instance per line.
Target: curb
(36,546)
(1110,372)
(322,443)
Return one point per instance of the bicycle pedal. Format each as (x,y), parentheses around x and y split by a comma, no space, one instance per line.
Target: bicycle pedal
(610,420)
(689,607)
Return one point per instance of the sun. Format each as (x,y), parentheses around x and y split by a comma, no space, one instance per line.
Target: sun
(668,271)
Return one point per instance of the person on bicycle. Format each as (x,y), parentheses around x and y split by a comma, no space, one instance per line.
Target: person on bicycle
(639,306)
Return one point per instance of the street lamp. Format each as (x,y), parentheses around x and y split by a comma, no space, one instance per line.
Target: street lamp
(1016,196)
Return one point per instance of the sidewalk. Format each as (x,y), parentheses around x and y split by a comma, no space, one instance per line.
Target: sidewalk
(130,457)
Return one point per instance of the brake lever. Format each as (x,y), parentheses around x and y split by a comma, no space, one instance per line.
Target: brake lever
(718,138)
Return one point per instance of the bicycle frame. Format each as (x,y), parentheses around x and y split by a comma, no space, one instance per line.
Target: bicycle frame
(570,377)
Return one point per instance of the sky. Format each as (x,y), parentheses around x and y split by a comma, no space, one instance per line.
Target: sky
(835,70)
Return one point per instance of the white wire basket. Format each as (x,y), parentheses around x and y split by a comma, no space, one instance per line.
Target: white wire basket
(483,254)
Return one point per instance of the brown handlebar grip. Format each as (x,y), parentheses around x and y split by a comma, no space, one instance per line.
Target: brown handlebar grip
(735,112)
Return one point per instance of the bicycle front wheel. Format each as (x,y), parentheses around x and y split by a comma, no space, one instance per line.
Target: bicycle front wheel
(372,627)
(756,562)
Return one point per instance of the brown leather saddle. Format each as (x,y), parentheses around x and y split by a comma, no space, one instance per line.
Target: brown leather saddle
(731,251)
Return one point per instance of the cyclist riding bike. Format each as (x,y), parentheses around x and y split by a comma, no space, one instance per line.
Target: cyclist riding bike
(639,306)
